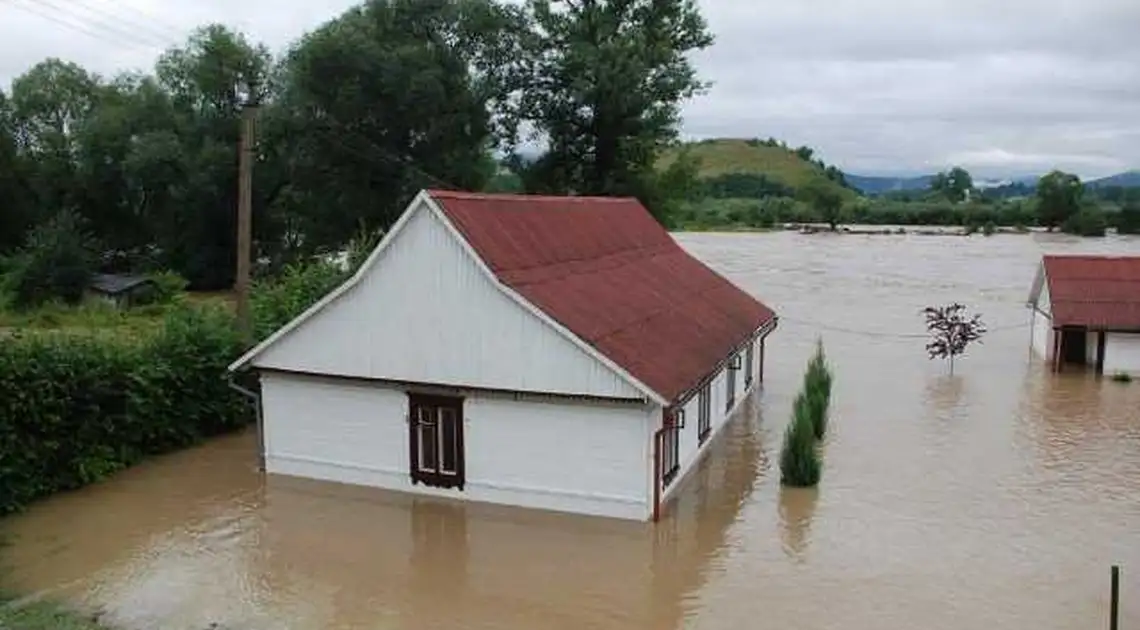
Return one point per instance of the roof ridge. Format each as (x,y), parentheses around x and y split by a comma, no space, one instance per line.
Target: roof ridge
(1093,256)
(526,197)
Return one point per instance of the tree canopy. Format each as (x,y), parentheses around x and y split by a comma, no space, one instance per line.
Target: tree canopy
(390,97)
(955,184)
(1058,198)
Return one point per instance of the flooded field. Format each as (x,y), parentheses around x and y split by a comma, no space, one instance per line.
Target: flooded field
(994,498)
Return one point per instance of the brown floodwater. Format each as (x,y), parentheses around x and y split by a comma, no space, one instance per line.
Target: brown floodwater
(994,498)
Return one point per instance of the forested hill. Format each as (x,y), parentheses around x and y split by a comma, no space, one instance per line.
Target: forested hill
(770,166)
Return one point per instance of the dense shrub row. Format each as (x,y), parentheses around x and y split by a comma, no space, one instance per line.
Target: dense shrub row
(800,464)
(77,407)
(276,301)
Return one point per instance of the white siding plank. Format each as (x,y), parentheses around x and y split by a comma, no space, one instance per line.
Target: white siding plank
(1044,302)
(1042,333)
(1122,353)
(427,313)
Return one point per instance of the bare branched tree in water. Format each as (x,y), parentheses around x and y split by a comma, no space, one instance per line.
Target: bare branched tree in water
(951,332)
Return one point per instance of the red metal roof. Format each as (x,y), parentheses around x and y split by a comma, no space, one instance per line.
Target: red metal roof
(1098,292)
(607,271)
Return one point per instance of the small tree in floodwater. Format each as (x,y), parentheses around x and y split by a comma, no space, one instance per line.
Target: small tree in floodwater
(951,332)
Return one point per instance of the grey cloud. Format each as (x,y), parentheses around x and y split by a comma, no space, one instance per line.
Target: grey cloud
(1000,86)
(884,85)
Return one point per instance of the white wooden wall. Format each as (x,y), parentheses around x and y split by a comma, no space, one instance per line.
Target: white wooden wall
(1041,331)
(426,312)
(1122,353)
(588,458)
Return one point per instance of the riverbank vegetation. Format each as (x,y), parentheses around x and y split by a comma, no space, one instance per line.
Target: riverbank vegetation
(766,193)
(800,460)
(43,615)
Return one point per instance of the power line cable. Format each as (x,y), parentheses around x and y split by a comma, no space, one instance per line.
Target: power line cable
(886,334)
(32,8)
(93,19)
(145,21)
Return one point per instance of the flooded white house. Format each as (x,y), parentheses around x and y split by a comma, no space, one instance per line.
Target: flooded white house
(561,353)
(1086,311)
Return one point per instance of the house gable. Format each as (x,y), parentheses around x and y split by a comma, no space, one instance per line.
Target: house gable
(1039,293)
(424,308)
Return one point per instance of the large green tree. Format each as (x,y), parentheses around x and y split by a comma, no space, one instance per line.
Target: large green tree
(391,97)
(607,78)
(388,98)
(17,212)
(50,104)
(825,197)
(954,184)
(1058,198)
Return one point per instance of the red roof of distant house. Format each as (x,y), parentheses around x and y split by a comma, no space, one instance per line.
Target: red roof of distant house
(1098,292)
(607,271)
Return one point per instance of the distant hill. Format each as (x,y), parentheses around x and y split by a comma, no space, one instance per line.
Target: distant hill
(872,185)
(1127,179)
(875,185)
(728,156)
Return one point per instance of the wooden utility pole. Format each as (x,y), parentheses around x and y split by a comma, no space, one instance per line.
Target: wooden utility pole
(1114,600)
(245,220)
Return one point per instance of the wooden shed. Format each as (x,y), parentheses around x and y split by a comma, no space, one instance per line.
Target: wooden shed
(121,290)
(1086,311)
(562,353)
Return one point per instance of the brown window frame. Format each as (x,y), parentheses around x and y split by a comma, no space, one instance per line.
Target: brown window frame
(704,413)
(670,452)
(730,383)
(434,472)
(749,363)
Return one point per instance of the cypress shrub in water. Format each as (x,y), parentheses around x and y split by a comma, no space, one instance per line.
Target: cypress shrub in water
(812,402)
(816,394)
(800,466)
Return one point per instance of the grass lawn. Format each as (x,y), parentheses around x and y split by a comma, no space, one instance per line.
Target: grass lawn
(96,317)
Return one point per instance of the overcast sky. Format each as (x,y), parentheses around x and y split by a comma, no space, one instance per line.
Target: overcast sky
(1001,87)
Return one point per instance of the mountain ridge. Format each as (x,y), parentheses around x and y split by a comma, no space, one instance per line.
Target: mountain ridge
(879,184)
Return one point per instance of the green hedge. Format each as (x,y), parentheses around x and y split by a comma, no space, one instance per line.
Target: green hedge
(75,408)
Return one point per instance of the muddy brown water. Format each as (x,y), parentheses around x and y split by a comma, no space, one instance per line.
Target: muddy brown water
(994,498)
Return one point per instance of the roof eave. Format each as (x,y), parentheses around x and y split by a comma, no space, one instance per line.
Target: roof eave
(764,330)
